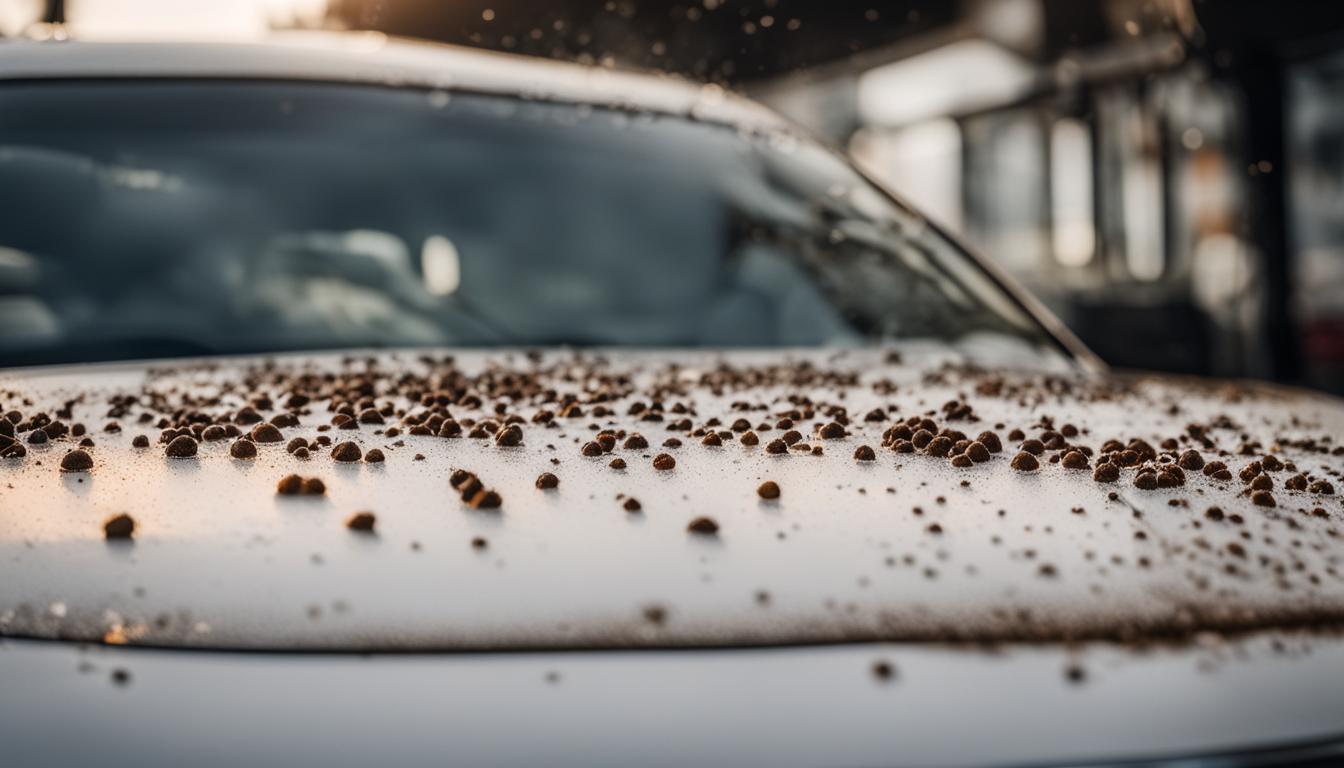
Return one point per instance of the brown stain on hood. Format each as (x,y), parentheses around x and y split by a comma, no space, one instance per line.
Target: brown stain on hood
(907,547)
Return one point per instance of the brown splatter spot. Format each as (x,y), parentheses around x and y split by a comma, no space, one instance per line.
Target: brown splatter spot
(1249,471)
(864,453)
(632,505)
(832,431)
(509,435)
(486,499)
(547,481)
(664,462)
(712,440)
(119,527)
(1024,461)
(703,526)
(1106,473)
(749,438)
(768,490)
(140,441)
(617,463)
(361,522)
(591,448)
(181,447)
(939,446)
(1074,460)
(374,456)
(1263,499)
(77,460)
(635,442)
(346,452)
(1191,460)
(978,452)
(777,447)
(266,433)
(313,486)
(1034,447)
(289,485)
(1075,674)
(991,441)
(884,671)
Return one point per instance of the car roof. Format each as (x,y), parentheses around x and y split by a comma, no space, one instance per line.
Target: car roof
(374,58)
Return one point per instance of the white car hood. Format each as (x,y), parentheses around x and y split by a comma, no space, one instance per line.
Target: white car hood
(219,559)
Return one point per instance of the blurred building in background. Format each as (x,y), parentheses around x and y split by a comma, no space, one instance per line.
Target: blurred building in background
(1168,175)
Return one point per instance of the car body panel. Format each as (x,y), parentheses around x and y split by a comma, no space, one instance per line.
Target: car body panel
(943,706)
(906,547)
(375,59)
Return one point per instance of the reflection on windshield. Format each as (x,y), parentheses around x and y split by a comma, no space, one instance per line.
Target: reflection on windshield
(166,219)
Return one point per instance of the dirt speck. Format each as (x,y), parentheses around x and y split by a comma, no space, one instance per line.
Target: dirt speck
(884,671)
(1263,499)
(361,522)
(289,485)
(266,433)
(181,447)
(703,526)
(119,527)
(243,449)
(346,452)
(77,460)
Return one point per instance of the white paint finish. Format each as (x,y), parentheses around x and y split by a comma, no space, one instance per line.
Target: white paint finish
(782,707)
(216,547)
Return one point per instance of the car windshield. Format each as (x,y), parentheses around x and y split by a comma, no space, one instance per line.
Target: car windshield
(171,218)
